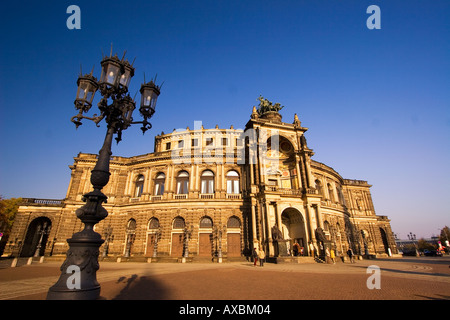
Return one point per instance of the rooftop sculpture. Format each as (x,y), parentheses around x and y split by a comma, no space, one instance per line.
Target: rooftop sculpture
(266,106)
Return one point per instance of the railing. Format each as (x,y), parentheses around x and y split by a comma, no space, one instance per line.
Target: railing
(55,202)
(311,191)
(180,196)
(206,195)
(291,192)
(356,182)
(234,196)
(284,191)
(157,198)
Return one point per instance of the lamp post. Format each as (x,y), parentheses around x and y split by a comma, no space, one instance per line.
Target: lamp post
(187,233)
(43,230)
(218,232)
(157,236)
(78,279)
(413,238)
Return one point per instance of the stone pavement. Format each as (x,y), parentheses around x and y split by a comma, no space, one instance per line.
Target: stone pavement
(408,278)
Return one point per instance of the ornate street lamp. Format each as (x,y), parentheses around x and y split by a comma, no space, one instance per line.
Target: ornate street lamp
(43,230)
(218,232)
(187,233)
(78,279)
(157,236)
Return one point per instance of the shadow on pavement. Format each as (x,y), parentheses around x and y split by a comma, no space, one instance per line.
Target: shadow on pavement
(426,260)
(430,273)
(439,297)
(141,288)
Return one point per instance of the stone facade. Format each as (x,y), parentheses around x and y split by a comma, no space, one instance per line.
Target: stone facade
(212,193)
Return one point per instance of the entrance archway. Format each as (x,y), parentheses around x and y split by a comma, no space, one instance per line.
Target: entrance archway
(36,238)
(205,238)
(233,237)
(178,227)
(293,231)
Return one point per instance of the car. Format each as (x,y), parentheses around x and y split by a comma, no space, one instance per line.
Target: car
(432,253)
(407,252)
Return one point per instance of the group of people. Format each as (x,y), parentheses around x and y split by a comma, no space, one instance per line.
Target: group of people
(260,254)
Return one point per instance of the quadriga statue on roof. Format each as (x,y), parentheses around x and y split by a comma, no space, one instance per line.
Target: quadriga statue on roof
(266,106)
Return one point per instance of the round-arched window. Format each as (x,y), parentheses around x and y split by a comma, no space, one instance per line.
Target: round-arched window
(139,186)
(183,183)
(153,224)
(178,223)
(206,222)
(233,222)
(207,181)
(159,184)
(233,182)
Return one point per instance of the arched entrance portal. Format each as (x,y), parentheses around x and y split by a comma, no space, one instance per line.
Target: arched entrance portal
(36,238)
(293,231)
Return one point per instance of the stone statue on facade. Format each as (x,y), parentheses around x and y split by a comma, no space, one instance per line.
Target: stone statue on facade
(266,106)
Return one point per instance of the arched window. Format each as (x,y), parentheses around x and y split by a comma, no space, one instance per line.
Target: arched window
(159,184)
(232,182)
(153,223)
(206,222)
(178,223)
(207,182)
(327,230)
(139,185)
(340,198)
(183,183)
(319,187)
(130,236)
(331,192)
(131,226)
(233,222)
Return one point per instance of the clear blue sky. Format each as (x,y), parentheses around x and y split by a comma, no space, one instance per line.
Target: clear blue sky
(376,102)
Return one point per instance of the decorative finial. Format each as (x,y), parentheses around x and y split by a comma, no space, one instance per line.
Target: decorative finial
(254,113)
(297,120)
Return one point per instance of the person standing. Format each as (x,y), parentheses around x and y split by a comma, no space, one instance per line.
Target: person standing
(255,256)
(332,256)
(262,257)
(316,251)
(327,255)
(311,249)
(296,249)
(350,254)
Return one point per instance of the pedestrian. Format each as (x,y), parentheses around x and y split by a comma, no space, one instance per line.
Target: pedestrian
(332,256)
(296,247)
(302,251)
(262,257)
(311,249)
(327,254)
(255,256)
(350,254)
(316,251)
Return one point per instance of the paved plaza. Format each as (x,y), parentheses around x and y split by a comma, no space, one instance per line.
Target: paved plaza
(408,278)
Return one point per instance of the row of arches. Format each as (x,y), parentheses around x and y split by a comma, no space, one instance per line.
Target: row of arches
(207,183)
(210,237)
(337,197)
(180,223)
